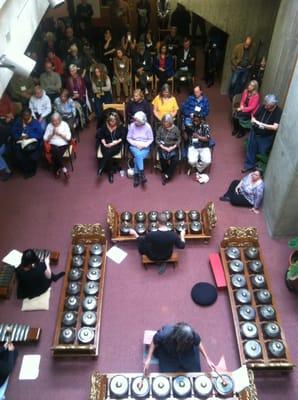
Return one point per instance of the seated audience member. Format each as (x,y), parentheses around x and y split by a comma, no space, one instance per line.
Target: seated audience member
(258,72)
(137,103)
(7,115)
(50,42)
(21,89)
(75,58)
(164,103)
(250,102)
(196,102)
(56,140)
(143,11)
(8,357)
(121,73)
(65,106)
(248,192)
(27,154)
(139,137)
(76,86)
(173,41)
(198,143)
(265,123)
(158,246)
(142,66)
(185,62)
(128,43)
(56,62)
(110,137)
(34,277)
(84,14)
(40,105)
(149,41)
(67,42)
(163,65)
(177,348)
(108,51)
(50,81)
(168,141)
(101,88)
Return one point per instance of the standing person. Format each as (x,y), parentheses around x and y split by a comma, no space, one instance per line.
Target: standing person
(241,61)
(108,51)
(56,138)
(186,59)
(265,123)
(139,137)
(110,138)
(50,81)
(76,86)
(163,13)
(181,19)
(120,18)
(247,192)
(197,102)
(177,348)
(34,277)
(173,41)
(143,10)
(84,14)
(249,103)
(8,357)
(75,58)
(121,73)
(40,105)
(101,88)
(27,155)
(158,246)
(168,141)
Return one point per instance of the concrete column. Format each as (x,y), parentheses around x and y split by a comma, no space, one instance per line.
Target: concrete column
(281,179)
(283,51)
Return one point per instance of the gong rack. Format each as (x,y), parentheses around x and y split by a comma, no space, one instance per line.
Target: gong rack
(7,276)
(85,234)
(19,333)
(207,218)
(100,386)
(243,238)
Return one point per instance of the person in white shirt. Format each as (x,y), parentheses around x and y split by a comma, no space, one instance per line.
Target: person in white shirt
(56,138)
(40,105)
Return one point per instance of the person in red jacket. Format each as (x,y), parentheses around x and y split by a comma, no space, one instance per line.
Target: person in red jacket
(250,101)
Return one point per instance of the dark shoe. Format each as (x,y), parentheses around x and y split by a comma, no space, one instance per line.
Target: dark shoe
(99,171)
(5,176)
(164,179)
(136,180)
(224,198)
(111,177)
(162,268)
(66,175)
(240,135)
(235,132)
(56,277)
(143,178)
(28,175)
(246,170)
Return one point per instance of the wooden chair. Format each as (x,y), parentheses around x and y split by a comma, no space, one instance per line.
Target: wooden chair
(71,152)
(150,80)
(157,160)
(173,259)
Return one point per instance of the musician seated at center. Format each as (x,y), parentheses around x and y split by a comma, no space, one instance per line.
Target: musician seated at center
(158,246)
(177,348)
(198,141)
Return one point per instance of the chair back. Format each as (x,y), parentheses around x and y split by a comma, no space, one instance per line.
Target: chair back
(120,107)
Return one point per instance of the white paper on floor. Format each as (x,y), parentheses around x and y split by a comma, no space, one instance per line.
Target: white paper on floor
(116,254)
(30,367)
(13,258)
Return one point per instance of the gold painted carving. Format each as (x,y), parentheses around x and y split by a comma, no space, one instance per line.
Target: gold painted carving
(211,214)
(88,233)
(111,218)
(98,386)
(240,236)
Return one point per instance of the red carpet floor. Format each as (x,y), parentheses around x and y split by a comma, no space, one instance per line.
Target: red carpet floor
(40,212)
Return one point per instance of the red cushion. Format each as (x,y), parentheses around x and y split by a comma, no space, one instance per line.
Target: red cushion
(218,270)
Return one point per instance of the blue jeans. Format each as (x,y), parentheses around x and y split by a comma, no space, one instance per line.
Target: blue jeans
(257,145)
(238,80)
(139,156)
(3,163)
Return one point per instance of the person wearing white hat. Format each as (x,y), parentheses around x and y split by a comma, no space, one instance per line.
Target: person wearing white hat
(139,137)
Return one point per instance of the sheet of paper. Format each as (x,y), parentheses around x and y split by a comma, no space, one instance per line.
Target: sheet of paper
(13,258)
(30,367)
(116,254)
(148,336)
(240,378)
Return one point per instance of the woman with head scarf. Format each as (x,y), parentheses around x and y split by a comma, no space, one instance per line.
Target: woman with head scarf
(139,137)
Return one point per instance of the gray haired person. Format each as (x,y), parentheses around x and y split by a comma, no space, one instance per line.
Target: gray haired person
(168,140)
(265,123)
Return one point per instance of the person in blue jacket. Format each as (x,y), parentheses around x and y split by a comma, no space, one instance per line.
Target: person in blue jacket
(163,65)
(197,102)
(27,157)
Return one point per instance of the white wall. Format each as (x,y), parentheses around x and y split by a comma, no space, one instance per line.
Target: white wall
(18,22)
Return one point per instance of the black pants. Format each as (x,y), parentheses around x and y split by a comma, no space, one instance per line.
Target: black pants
(57,156)
(27,161)
(107,163)
(143,79)
(168,166)
(162,76)
(7,362)
(236,199)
